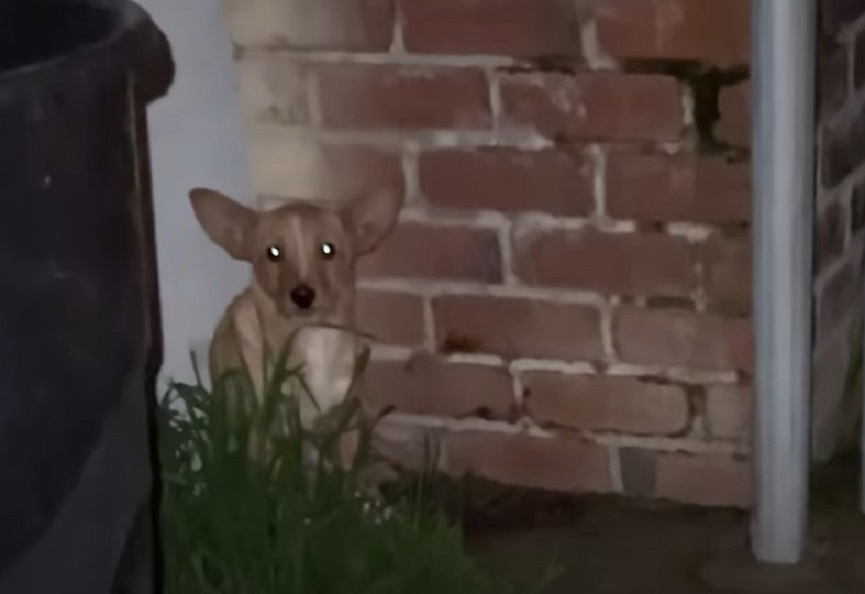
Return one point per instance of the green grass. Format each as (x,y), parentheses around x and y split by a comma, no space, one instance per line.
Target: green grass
(282,525)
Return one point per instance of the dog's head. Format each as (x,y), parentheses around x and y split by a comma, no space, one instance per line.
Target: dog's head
(303,254)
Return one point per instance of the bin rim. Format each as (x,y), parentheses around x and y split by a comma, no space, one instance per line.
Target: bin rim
(129,16)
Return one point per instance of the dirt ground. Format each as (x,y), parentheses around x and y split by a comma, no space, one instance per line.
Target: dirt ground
(612,546)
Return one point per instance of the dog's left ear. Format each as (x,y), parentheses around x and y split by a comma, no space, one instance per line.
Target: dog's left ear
(226,222)
(370,218)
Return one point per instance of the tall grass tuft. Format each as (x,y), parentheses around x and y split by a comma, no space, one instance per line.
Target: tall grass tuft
(276,523)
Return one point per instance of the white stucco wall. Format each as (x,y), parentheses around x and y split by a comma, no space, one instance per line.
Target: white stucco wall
(197,139)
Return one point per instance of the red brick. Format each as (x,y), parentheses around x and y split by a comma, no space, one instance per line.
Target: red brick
(742,344)
(415,250)
(728,411)
(555,181)
(727,270)
(427,385)
(605,403)
(356,170)
(704,479)
(393,318)
(617,263)
(517,328)
(368,96)
(312,24)
(658,187)
(594,106)
(503,27)
(520,460)
(734,103)
(682,338)
(716,32)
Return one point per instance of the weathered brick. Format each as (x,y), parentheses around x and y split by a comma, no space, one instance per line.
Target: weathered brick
(415,250)
(829,235)
(274,89)
(857,209)
(727,270)
(427,385)
(552,464)
(369,96)
(605,403)
(734,125)
(553,180)
(842,148)
(504,27)
(517,328)
(858,57)
(659,187)
(639,470)
(728,411)
(594,106)
(834,412)
(392,318)
(410,446)
(616,263)
(283,166)
(840,296)
(832,75)
(312,24)
(704,479)
(835,159)
(683,339)
(836,14)
(716,32)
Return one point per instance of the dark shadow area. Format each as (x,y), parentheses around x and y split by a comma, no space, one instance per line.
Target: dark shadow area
(613,545)
(154,74)
(25,41)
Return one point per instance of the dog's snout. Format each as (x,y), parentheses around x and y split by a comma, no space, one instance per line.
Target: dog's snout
(302,296)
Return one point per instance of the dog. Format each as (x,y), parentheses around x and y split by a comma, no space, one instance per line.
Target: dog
(303,257)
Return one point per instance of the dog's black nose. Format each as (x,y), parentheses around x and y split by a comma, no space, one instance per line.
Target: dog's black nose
(302,296)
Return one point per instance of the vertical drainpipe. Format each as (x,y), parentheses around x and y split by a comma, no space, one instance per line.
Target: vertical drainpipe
(783,36)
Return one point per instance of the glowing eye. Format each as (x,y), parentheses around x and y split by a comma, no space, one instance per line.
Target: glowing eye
(273,253)
(328,250)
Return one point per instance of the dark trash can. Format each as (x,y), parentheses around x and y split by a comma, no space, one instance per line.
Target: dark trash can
(76,297)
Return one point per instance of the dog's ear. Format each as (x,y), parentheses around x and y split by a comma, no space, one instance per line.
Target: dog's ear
(371,216)
(227,223)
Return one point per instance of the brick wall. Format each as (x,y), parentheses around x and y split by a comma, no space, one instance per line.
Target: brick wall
(565,303)
(840,218)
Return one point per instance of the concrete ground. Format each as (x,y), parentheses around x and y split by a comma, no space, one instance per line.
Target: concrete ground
(613,546)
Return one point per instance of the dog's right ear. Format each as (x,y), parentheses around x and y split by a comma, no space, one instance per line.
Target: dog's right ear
(227,223)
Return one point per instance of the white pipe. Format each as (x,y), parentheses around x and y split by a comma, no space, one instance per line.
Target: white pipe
(783,44)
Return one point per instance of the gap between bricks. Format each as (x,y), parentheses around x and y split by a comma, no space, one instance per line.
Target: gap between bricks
(609,439)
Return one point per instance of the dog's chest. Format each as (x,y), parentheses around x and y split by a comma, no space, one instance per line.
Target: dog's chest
(327,357)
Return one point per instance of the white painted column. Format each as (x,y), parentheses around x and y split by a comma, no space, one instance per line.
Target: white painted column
(197,139)
(783,36)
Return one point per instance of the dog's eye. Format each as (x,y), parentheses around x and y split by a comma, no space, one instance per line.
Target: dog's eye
(274,254)
(328,250)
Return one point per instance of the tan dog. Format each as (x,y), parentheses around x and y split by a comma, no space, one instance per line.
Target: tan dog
(303,258)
